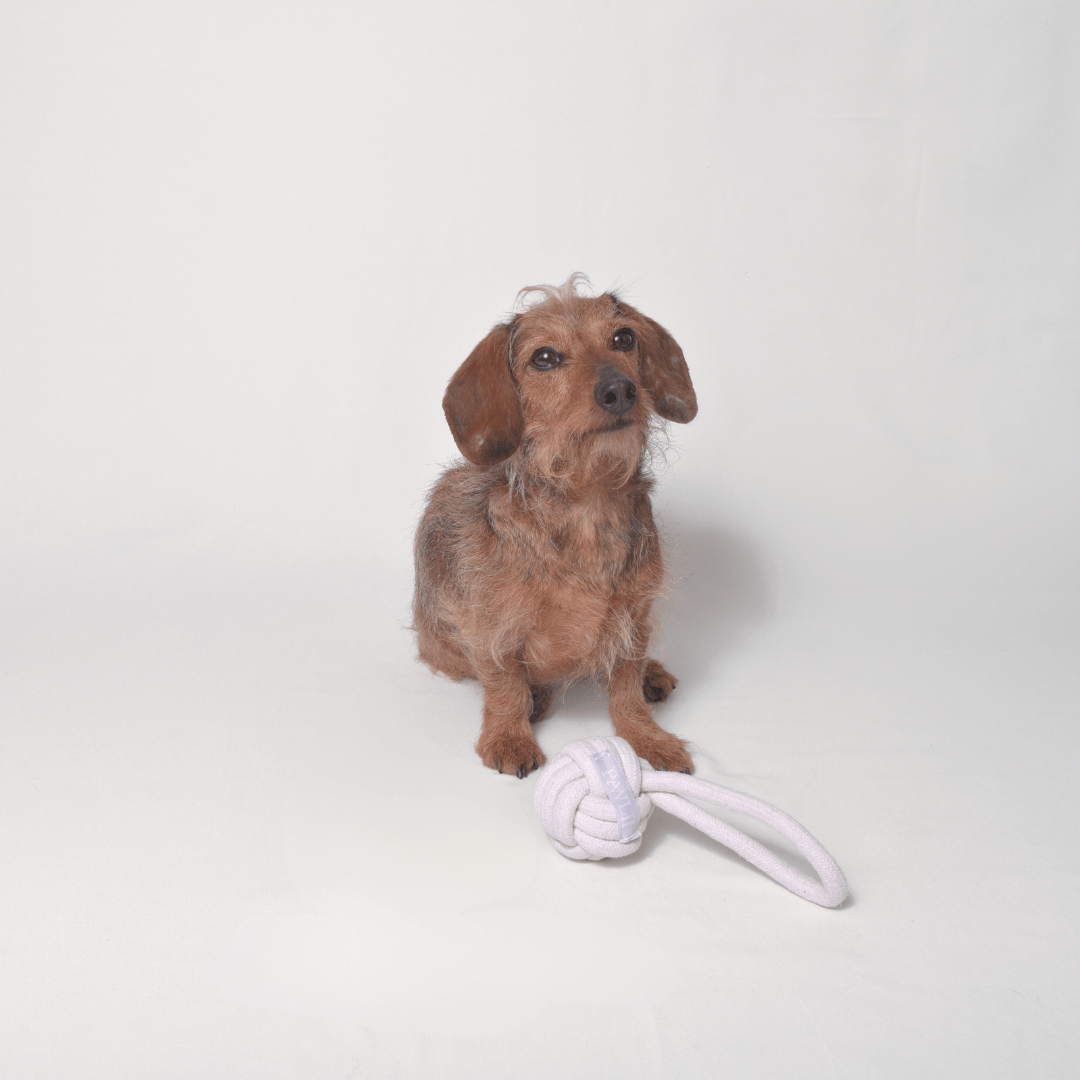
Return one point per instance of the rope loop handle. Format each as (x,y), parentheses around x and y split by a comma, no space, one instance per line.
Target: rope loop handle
(596,797)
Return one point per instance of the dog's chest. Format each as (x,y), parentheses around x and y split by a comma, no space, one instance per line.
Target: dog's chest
(598,546)
(586,569)
(584,546)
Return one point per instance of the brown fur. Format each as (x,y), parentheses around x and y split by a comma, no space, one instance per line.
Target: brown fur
(537,560)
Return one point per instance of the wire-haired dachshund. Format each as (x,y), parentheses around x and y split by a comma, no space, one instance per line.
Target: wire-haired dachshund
(537,559)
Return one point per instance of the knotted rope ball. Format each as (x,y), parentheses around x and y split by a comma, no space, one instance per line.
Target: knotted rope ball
(596,797)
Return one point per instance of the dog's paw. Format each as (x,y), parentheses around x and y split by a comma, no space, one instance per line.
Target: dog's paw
(515,754)
(541,702)
(658,682)
(662,751)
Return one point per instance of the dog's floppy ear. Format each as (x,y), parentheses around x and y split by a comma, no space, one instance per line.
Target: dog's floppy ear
(665,375)
(481,403)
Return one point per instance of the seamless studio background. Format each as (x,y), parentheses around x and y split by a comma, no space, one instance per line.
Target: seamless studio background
(242,249)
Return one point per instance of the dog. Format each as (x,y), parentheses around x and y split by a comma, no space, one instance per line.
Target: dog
(537,559)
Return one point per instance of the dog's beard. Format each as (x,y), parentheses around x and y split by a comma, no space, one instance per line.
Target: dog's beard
(612,456)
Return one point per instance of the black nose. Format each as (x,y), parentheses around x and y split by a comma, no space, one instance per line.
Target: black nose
(614,391)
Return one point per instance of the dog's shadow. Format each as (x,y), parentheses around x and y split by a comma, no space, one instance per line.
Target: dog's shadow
(720,593)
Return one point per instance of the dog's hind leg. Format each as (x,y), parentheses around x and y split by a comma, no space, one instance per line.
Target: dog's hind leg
(441,653)
(658,682)
(541,702)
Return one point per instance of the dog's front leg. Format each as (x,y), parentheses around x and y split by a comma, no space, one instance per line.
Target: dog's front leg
(506,740)
(631,716)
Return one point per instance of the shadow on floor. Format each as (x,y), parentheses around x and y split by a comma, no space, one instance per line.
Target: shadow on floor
(720,593)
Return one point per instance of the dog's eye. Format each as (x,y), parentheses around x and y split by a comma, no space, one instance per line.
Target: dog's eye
(624,340)
(545,359)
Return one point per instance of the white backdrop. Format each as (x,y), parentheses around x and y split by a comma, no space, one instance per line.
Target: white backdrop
(242,248)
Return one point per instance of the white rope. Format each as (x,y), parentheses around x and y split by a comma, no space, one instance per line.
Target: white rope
(595,799)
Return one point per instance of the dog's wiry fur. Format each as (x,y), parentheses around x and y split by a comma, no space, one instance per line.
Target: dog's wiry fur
(537,560)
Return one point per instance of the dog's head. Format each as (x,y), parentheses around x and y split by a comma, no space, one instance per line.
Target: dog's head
(573,378)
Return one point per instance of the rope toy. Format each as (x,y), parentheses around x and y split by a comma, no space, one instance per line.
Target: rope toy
(595,799)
